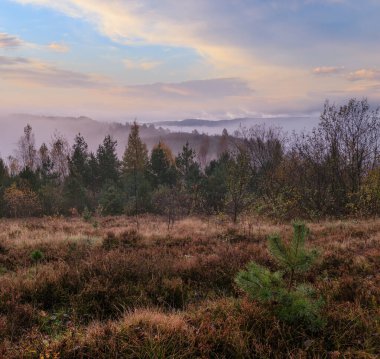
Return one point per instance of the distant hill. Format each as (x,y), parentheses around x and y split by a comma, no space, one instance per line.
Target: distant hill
(94,132)
(200,123)
(197,132)
(216,126)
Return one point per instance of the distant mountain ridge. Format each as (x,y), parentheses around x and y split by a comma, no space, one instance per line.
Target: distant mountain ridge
(196,122)
(295,123)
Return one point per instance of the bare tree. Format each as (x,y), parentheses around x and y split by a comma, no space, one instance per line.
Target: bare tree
(265,148)
(13,165)
(352,132)
(59,152)
(338,155)
(26,151)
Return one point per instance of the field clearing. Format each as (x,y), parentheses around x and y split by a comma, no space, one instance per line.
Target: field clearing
(115,288)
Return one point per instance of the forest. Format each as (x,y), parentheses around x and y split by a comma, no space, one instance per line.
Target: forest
(332,171)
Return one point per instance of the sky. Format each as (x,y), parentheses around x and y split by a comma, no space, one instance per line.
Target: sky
(170,59)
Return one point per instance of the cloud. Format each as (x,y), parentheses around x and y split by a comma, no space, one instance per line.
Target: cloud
(145,65)
(271,45)
(9,41)
(58,47)
(327,70)
(4,60)
(200,89)
(34,72)
(364,74)
(170,24)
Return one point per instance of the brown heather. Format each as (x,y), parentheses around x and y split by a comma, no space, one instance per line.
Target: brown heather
(112,291)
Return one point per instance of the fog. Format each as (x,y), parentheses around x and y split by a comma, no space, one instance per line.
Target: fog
(11,128)
(287,124)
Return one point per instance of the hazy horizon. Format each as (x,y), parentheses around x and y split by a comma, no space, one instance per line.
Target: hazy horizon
(44,127)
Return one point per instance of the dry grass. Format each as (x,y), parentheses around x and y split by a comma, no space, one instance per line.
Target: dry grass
(121,290)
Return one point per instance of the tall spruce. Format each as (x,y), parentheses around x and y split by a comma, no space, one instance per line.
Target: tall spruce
(190,175)
(214,185)
(77,182)
(187,166)
(135,163)
(108,163)
(163,166)
(78,162)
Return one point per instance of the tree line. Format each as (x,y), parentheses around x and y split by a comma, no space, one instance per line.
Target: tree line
(331,171)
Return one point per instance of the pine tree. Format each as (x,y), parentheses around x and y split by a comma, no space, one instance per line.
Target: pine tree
(293,258)
(94,174)
(163,166)
(108,163)
(238,181)
(134,166)
(79,178)
(4,182)
(190,175)
(294,303)
(78,162)
(214,184)
(187,166)
(135,157)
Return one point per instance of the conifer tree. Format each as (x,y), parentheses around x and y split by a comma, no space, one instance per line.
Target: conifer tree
(78,162)
(94,174)
(135,157)
(163,166)
(79,175)
(190,175)
(187,166)
(294,303)
(134,166)
(214,184)
(4,179)
(3,172)
(107,161)
(238,181)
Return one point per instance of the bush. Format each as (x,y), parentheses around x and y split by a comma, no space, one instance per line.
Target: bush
(36,256)
(86,215)
(111,200)
(21,202)
(369,194)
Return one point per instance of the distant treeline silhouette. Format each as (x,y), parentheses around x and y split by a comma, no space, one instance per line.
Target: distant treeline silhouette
(330,171)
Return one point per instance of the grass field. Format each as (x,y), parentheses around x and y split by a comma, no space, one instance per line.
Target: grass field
(111,289)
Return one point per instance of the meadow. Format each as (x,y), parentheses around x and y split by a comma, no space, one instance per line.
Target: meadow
(129,287)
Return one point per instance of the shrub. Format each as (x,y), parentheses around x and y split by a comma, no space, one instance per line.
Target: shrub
(36,256)
(21,202)
(86,215)
(293,303)
(111,200)
(369,194)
